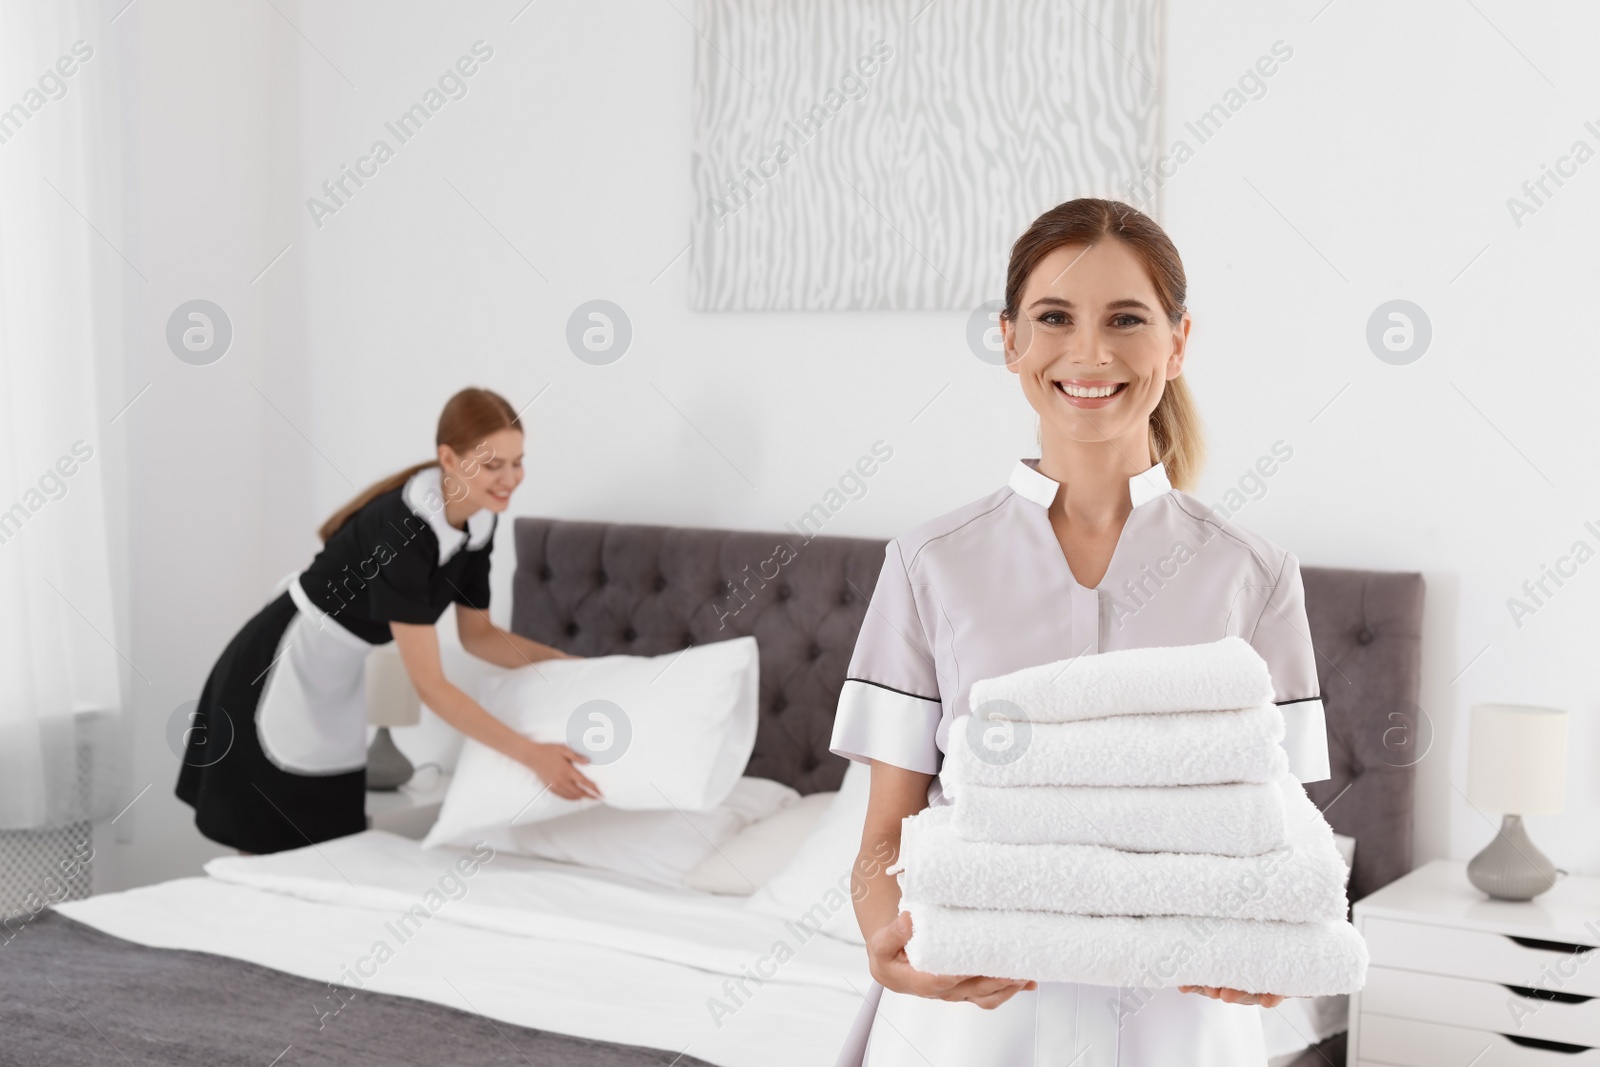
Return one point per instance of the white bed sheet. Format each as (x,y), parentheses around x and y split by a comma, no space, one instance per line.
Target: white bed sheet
(540,944)
(529,942)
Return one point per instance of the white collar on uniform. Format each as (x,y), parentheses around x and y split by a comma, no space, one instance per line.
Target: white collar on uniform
(1028,482)
(424,496)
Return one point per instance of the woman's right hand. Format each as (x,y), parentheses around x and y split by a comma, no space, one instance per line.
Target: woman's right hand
(556,766)
(886,956)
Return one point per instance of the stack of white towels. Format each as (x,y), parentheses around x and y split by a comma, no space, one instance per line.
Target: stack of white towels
(1142,829)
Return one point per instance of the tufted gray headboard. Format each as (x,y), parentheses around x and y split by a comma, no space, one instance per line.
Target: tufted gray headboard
(1366,627)
(597,589)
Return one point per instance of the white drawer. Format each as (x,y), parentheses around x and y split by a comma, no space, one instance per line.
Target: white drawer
(1478,1005)
(1408,1043)
(1478,954)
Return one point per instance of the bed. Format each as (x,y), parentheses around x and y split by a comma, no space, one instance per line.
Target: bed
(542,962)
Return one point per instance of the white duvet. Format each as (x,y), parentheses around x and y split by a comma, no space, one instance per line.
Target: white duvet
(527,941)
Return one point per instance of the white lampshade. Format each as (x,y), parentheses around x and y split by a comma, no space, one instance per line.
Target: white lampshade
(1517,759)
(391,698)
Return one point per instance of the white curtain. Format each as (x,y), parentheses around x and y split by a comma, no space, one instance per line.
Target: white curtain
(63,670)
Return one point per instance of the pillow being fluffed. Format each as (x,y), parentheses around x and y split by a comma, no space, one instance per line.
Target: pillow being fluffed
(752,857)
(662,733)
(658,846)
(813,890)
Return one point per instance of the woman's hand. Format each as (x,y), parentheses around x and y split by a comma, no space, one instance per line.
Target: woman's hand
(556,766)
(886,955)
(1233,996)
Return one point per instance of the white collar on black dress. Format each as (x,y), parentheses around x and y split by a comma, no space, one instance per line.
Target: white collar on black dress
(424,496)
(1028,482)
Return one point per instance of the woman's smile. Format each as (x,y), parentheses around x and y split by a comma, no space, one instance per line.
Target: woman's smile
(1089,392)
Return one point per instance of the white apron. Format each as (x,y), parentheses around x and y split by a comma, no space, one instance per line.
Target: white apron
(312,718)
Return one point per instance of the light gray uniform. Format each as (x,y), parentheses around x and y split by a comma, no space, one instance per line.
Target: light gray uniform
(985,590)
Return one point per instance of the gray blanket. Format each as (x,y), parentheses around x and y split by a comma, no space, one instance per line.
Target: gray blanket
(71,996)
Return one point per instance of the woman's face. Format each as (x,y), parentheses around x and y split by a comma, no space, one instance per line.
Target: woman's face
(486,476)
(1093,346)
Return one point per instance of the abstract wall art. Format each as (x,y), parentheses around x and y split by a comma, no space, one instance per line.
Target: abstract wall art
(859,155)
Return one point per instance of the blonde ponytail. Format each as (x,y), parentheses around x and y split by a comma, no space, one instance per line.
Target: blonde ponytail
(1176,437)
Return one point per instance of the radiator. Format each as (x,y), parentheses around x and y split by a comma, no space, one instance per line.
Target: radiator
(39,867)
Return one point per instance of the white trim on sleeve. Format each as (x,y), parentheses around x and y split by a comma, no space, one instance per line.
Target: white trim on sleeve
(1305,739)
(877,723)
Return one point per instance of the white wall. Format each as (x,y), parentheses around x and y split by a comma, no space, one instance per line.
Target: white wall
(1382,151)
(216,486)
(1391,141)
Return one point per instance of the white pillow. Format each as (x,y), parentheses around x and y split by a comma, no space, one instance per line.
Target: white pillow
(671,731)
(659,846)
(813,890)
(749,859)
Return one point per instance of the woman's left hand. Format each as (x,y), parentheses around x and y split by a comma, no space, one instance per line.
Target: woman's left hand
(1233,996)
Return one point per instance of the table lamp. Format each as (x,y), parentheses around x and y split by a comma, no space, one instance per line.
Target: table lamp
(391,701)
(1516,765)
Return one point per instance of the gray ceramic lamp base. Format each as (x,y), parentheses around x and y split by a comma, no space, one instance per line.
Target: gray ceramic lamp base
(387,766)
(1511,868)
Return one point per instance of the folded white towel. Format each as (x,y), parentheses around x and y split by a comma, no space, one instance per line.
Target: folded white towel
(1177,748)
(1303,881)
(1289,959)
(1216,676)
(1239,819)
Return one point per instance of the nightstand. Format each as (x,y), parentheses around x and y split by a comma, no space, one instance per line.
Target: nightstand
(411,810)
(1458,978)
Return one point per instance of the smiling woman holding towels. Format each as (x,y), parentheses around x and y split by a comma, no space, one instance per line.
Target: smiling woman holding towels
(1093,547)
(275,757)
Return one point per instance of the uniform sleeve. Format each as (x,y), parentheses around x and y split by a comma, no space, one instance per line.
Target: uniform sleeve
(890,706)
(1283,638)
(472,588)
(399,591)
